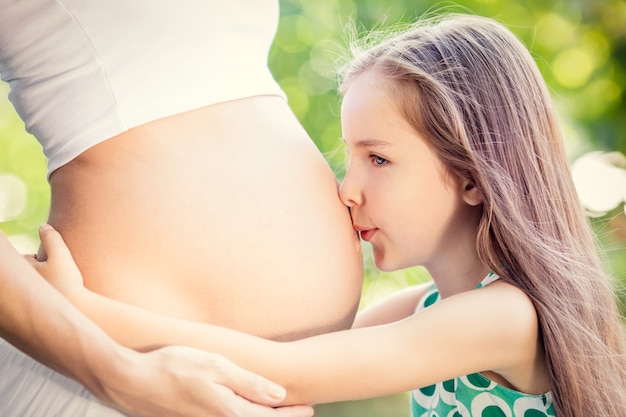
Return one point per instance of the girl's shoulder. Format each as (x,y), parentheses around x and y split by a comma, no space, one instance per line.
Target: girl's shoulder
(498,316)
(505,303)
(494,327)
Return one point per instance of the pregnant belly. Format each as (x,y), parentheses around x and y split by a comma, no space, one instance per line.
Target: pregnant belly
(247,234)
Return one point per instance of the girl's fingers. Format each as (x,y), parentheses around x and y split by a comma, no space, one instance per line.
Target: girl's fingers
(53,243)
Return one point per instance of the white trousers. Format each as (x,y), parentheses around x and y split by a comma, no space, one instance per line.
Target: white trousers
(30,389)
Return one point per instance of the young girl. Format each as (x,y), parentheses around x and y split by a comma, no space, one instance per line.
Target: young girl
(456,164)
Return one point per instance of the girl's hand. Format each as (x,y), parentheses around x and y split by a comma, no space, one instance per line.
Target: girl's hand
(59,269)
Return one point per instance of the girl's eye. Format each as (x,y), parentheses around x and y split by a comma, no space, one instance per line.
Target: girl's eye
(378,161)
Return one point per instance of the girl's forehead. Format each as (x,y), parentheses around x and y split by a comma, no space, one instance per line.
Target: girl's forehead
(369,88)
(371,121)
(376,77)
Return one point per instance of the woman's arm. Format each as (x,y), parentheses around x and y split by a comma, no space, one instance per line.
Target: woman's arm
(39,321)
(173,381)
(469,332)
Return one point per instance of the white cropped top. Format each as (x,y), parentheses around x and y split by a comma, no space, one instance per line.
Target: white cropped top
(83,71)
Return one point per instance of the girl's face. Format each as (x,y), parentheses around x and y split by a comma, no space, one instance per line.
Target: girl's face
(400,197)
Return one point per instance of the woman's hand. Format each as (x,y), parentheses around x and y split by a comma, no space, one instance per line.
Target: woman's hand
(59,269)
(185,382)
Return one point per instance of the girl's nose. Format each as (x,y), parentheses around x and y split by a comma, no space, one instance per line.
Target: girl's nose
(349,191)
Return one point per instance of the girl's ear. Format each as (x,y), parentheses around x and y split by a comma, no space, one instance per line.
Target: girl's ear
(471,193)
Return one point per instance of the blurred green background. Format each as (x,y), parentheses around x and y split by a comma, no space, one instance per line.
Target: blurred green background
(579,45)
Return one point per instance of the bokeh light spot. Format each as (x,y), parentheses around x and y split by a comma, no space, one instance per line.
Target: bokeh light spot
(13,195)
(554,31)
(600,184)
(573,67)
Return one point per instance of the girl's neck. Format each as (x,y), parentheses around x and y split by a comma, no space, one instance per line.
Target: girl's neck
(453,279)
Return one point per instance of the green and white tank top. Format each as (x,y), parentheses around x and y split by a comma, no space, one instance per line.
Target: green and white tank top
(474,395)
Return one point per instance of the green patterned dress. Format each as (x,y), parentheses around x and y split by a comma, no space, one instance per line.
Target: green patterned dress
(474,395)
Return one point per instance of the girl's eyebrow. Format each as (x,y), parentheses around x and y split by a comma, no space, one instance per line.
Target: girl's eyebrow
(369,143)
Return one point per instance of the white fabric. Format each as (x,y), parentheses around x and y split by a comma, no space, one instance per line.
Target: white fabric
(30,389)
(82,71)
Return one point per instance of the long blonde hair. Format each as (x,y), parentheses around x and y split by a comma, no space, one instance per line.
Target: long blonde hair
(472,89)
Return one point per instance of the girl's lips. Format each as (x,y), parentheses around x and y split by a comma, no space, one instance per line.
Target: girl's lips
(366,235)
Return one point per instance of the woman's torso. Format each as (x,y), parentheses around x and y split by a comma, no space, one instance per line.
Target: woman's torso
(204,204)
(227,214)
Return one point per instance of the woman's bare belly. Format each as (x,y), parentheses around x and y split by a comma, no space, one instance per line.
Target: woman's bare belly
(226,214)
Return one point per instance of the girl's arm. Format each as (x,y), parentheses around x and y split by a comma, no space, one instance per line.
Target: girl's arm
(396,307)
(469,332)
(173,381)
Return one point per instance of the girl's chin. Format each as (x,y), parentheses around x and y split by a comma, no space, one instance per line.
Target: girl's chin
(385,265)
